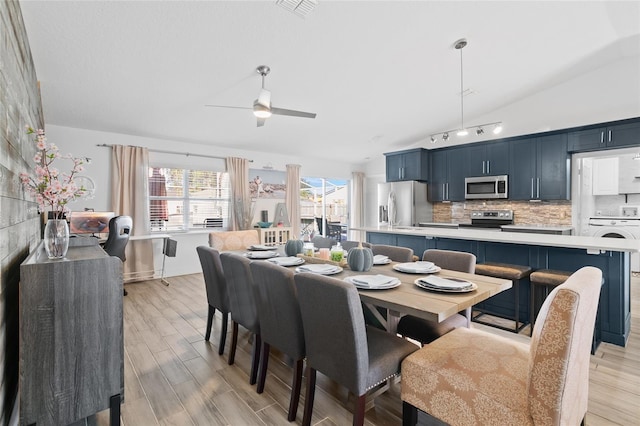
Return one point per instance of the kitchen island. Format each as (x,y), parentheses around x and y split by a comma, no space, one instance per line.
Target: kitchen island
(540,251)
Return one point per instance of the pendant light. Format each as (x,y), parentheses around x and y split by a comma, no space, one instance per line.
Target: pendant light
(463,131)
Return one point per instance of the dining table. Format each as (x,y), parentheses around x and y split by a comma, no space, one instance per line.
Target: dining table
(410,299)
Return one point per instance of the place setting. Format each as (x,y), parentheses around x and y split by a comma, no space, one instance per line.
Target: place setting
(419,267)
(261,254)
(320,268)
(286,261)
(381,259)
(259,247)
(373,282)
(445,284)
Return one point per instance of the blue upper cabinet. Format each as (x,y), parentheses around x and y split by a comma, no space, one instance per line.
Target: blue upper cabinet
(540,169)
(411,164)
(447,172)
(605,137)
(487,159)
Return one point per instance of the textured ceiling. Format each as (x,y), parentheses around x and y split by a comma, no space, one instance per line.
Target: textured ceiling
(380,75)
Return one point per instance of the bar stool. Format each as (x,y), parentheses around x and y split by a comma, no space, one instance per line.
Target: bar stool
(506,271)
(548,279)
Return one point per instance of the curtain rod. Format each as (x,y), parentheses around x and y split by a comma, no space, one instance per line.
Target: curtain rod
(187,154)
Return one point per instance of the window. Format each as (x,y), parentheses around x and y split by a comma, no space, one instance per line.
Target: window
(324,203)
(182,199)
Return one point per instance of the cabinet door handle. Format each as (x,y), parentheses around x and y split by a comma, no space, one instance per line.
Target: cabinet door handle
(488,167)
(531,187)
(609,135)
(447,190)
(602,137)
(483,167)
(538,188)
(399,172)
(444,194)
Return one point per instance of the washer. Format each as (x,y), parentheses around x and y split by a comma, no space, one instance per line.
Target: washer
(627,226)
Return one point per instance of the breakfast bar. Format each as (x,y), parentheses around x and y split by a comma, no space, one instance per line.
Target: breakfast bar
(539,251)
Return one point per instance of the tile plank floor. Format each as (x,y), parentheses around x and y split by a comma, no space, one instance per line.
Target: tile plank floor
(174,377)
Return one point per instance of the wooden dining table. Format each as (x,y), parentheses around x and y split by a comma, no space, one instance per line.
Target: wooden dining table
(409,299)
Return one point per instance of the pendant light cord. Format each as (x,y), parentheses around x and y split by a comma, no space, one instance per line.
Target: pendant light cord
(461,93)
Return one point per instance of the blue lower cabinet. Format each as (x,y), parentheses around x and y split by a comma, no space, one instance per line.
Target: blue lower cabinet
(381,238)
(418,244)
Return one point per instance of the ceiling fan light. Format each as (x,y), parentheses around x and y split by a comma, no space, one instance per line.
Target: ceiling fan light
(497,129)
(261,111)
(462,132)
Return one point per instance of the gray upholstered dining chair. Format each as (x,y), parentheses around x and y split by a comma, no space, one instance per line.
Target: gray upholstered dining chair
(217,295)
(323,242)
(280,323)
(351,244)
(243,306)
(338,343)
(119,233)
(395,253)
(427,331)
(508,382)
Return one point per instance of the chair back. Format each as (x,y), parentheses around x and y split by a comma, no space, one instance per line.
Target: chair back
(214,280)
(233,240)
(351,244)
(240,288)
(559,355)
(397,254)
(334,330)
(452,260)
(278,308)
(119,231)
(323,242)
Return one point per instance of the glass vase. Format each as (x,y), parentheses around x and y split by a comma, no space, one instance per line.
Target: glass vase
(56,238)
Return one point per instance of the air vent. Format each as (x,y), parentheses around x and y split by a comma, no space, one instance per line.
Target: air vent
(301,8)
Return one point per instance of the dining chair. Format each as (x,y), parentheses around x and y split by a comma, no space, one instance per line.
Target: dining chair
(340,345)
(243,306)
(473,377)
(351,244)
(395,253)
(323,242)
(233,240)
(280,323)
(426,331)
(217,295)
(119,232)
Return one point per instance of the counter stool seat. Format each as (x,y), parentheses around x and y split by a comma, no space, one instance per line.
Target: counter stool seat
(548,279)
(506,271)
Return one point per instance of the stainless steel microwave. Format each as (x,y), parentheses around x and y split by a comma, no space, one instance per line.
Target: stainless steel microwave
(485,187)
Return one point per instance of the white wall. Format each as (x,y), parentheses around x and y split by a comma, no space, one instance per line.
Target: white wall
(82,143)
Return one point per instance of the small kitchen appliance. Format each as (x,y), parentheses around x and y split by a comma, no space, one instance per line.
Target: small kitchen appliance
(486,187)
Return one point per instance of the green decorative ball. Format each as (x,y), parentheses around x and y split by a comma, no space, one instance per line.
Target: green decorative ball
(360,258)
(293,247)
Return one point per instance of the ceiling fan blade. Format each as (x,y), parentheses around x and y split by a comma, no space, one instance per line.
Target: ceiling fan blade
(227,106)
(293,113)
(264,98)
(261,121)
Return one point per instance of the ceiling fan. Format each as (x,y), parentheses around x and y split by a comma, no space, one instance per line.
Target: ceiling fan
(262,108)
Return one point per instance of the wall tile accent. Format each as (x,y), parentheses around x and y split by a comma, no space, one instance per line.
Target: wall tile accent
(19,220)
(524,212)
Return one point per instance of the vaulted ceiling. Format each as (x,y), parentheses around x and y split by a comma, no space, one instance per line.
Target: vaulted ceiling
(381,75)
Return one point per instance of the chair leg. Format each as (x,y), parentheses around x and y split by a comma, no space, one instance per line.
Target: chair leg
(532,308)
(264,363)
(308,402)
(223,333)
(234,343)
(255,359)
(516,295)
(295,390)
(212,311)
(358,413)
(409,414)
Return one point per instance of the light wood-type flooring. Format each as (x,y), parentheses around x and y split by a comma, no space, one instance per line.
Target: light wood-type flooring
(174,377)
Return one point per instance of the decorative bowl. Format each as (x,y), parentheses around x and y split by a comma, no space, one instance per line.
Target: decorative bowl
(265,224)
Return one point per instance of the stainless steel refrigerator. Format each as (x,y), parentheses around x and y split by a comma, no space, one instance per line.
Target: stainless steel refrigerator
(403,204)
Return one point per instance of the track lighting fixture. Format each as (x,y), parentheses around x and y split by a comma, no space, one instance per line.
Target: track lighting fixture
(463,131)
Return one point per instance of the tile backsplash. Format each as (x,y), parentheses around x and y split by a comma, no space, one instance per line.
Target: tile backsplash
(524,212)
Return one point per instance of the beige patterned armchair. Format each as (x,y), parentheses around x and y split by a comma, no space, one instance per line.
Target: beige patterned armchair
(469,377)
(233,240)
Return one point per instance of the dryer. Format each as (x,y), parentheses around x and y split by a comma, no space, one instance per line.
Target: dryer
(626,225)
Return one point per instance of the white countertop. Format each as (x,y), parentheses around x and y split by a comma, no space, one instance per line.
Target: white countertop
(547,240)
(541,227)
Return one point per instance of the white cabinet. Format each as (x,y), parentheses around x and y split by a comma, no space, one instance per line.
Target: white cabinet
(629,176)
(605,176)
(275,236)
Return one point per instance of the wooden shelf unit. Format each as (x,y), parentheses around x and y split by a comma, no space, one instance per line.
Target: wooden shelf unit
(275,236)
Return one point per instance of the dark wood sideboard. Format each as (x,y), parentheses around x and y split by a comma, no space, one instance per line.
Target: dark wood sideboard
(71,336)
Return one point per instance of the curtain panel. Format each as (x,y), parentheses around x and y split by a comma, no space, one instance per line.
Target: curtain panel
(357,206)
(241,214)
(292,197)
(130,197)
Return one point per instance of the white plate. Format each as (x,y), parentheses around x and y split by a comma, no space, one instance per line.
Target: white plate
(319,268)
(286,261)
(381,260)
(261,254)
(417,268)
(392,284)
(259,247)
(437,281)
